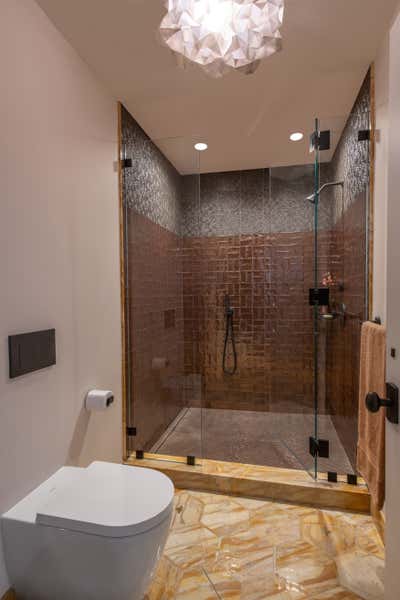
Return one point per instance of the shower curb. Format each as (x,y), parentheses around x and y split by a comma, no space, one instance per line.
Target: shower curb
(269,483)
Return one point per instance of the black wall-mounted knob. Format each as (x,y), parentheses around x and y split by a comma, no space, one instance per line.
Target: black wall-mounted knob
(373,402)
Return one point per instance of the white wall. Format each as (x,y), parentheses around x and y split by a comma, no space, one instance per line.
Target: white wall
(392,582)
(59,252)
(381,175)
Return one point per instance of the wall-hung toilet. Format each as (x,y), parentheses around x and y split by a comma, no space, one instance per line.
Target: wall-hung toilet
(88,534)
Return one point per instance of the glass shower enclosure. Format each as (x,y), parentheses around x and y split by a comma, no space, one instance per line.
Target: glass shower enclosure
(244,294)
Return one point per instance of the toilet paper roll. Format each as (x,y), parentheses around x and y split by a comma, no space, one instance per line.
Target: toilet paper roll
(99,399)
(157,364)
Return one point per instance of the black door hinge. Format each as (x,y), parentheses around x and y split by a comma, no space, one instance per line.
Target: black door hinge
(320,140)
(320,296)
(319,448)
(131,431)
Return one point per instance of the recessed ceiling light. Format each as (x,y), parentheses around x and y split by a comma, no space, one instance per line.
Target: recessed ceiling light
(201,146)
(296,137)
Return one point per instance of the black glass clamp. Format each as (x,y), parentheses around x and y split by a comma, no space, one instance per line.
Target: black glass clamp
(126,163)
(319,447)
(364,135)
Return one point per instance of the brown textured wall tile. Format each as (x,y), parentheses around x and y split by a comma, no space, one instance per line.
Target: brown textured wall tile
(343,335)
(268,287)
(156,326)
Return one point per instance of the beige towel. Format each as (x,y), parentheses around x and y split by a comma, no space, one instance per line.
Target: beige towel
(371,426)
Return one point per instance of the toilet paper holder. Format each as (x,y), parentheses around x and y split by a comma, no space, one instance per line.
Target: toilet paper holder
(99,399)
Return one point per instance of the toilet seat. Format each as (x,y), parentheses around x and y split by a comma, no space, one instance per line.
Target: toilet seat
(109,500)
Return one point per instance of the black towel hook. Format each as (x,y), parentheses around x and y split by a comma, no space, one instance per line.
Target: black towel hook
(373,402)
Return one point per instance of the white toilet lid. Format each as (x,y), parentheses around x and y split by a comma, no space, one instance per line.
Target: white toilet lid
(110,500)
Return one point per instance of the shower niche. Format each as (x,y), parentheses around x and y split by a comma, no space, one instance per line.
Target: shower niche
(244,294)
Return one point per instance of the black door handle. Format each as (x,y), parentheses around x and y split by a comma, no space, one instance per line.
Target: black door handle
(373,402)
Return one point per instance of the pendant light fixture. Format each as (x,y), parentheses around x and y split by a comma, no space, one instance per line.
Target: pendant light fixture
(223,35)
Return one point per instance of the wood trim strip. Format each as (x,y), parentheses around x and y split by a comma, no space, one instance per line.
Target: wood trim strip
(379,520)
(371,192)
(122,277)
(10,595)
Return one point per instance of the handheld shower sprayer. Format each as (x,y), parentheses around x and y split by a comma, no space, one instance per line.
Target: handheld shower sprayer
(229,337)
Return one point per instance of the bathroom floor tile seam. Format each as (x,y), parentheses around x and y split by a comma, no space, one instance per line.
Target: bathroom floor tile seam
(238,548)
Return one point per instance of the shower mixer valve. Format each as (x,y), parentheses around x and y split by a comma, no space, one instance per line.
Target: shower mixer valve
(228,307)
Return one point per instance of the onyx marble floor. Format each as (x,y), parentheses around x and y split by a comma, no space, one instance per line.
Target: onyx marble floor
(224,547)
(259,438)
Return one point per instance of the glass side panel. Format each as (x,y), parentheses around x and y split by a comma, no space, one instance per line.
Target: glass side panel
(160,382)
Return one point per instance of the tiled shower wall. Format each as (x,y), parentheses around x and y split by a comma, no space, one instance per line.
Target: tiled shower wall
(250,235)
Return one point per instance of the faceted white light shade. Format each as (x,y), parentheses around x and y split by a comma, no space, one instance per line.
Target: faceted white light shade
(201,146)
(220,35)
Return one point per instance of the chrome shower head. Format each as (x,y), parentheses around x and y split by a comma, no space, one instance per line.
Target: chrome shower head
(311,198)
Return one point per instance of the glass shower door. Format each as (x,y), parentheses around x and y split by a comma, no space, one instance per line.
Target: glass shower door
(291,275)
(315,300)
(255,249)
(327,202)
(341,284)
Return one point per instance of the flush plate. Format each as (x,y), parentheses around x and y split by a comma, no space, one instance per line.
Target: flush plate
(29,352)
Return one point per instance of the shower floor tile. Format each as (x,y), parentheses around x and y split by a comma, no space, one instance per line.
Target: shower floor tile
(260,438)
(225,547)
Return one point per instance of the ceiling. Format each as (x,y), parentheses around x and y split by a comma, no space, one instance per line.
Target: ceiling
(246,120)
